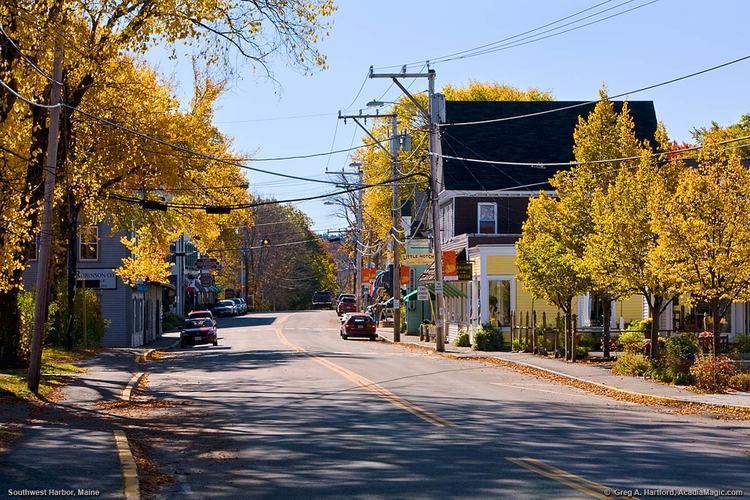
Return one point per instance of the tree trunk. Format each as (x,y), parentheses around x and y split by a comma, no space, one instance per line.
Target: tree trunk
(71,237)
(606,313)
(568,330)
(716,326)
(10,331)
(658,303)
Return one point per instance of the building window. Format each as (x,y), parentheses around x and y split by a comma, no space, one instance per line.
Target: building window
(499,302)
(89,239)
(487,218)
(446,222)
(32,251)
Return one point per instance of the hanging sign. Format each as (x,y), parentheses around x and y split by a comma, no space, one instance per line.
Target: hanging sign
(465,271)
(449,266)
(422,293)
(404,275)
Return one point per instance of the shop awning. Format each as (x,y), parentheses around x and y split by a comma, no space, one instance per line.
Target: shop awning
(449,291)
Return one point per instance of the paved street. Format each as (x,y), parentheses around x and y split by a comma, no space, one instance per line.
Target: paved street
(285,408)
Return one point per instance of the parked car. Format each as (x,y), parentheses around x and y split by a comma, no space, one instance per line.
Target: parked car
(203,313)
(244,304)
(241,308)
(345,305)
(198,331)
(342,295)
(322,300)
(224,308)
(358,325)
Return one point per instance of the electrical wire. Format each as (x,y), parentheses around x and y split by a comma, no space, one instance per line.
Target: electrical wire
(27,58)
(520,43)
(591,162)
(489,46)
(616,96)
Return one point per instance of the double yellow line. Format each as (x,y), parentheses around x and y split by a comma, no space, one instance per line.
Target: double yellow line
(578,483)
(368,384)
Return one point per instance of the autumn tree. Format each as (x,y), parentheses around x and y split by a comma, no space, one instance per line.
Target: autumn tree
(703,228)
(100,37)
(547,263)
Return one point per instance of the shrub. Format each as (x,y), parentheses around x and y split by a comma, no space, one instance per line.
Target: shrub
(95,323)
(462,339)
(631,341)
(712,373)
(740,382)
(487,338)
(679,353)
(631,363)
(170,321)
(743,343)
(640,325)
(581,352)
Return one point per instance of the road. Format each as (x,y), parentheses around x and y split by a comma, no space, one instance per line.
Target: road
(284,407)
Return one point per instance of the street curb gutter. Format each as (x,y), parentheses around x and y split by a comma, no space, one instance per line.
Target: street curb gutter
(127,392)
(664,400)
(129,467)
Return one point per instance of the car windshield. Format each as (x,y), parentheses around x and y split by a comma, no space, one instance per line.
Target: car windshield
(226,303)
(197,323)
(348,300)
(200,315)
(359,319)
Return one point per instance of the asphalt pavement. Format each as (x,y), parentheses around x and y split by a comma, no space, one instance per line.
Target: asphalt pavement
(285,408)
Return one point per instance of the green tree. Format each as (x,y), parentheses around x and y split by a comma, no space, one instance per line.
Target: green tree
(547,263)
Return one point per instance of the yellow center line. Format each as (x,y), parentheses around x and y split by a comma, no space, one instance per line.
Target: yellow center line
(578,483)
(366,383)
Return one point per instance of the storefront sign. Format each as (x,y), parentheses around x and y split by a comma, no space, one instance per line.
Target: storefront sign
(106,278)
(422,293)
(465,271)
(449,266)
(417,259)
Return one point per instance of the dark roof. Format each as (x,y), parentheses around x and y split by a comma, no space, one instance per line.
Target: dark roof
(544,138)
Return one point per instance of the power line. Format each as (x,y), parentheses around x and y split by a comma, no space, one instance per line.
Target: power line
(240,206)
(485,48)
(616,96)
(591,162)
(537,38)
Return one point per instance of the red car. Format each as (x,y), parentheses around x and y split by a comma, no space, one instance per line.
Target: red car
(198,331)
(359,325)
(346,305)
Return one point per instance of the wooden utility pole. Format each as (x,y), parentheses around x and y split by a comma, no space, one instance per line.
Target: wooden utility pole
(396,281)
(45,233)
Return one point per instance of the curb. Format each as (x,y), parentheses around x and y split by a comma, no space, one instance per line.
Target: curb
(501,361)
(129,467)
(127,392)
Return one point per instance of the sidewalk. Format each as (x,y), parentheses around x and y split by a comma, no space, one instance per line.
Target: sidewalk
(587,372)
(69,444)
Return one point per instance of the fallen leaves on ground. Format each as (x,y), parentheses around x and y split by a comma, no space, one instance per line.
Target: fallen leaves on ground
(670,405)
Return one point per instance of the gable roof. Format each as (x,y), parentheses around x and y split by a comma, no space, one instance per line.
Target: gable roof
(546,138)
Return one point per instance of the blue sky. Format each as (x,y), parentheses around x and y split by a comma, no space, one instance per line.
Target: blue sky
(657,42)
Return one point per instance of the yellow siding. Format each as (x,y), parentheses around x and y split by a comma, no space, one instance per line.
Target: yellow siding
(506,265)
(630,308)
(501,264)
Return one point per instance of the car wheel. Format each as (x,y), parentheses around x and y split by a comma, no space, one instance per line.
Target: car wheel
(373,338)
(216,342)
(344,336)
(183,344)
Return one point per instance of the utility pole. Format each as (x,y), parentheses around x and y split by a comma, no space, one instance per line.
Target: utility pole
(358,240)
(396,282)
(393,153)
(432,115)
(45,234)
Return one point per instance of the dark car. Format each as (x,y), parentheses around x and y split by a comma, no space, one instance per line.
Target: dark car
(346,304)
(224,308)
(322,300)
(198,331)
(359,325)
